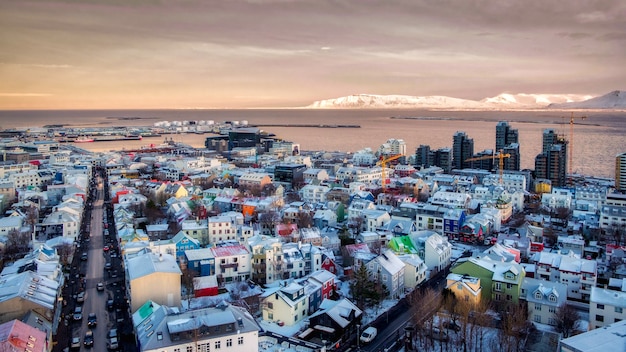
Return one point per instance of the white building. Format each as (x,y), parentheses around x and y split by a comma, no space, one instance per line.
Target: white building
(223,328)
(606,307)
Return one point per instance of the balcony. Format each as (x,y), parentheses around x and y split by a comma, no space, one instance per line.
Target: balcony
(229,265)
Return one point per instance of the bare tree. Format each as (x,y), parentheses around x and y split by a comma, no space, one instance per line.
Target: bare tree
(65,251)
(515,328)
(18,243)
(423,304)
(567,320)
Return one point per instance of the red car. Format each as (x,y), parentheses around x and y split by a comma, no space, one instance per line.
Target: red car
(106,248)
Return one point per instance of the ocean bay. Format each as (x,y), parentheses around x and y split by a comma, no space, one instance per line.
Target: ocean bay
(597,139)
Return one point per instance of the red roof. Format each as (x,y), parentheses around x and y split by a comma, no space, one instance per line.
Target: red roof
(229,251)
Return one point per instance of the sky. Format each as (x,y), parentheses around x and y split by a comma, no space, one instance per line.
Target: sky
(134,54)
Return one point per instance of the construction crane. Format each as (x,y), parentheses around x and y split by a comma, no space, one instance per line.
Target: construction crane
(383,164)
(571,142)
(501,156)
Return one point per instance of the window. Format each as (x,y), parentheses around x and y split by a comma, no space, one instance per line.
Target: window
(618,310)
(270,316)
(203,347)
(552,310)
(498,286)
(189,348)
(218,344)
(537,295)
(240,340)
(508,286)
(599,317)
(509,297)
(600,306)
(552,298)
(538,318)
(270,305)
(229,343)
(538,306)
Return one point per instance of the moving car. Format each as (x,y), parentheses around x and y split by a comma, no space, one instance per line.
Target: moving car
(100,286)
(92,320)
(368,334)
(88,340)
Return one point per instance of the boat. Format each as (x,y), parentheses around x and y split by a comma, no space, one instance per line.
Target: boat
(83,140)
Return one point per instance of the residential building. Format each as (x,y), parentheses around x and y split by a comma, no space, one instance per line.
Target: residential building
(434,249)
(267,259)
(18,336)
(464,287)
(543,298)
(196,229)
(387,269)
(334,321)
(286,303)
(610,338)
(152,276)
(223,328)
(415,270)
(606,307)
(580,275)
(232,262)
(26,291)
(500,281)
(221,228)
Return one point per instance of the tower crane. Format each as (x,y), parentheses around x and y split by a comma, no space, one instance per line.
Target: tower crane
(571,141)
(383,164)
(501,156)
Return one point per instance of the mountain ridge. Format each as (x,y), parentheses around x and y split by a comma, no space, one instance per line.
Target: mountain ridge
(505,101)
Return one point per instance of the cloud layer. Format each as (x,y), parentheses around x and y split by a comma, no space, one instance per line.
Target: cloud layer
(189,53)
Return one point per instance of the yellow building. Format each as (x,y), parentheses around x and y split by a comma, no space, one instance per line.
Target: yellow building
(465,288)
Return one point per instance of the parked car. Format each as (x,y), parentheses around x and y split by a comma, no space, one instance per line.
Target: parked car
(110,304)
(107,266)
(92,320)
(83,256)
(75,343)
(105,248)
(112,333)
(368,334)
(88,339)
(80,297)
(78,313)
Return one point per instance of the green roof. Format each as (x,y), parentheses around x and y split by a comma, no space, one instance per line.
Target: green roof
(402,244)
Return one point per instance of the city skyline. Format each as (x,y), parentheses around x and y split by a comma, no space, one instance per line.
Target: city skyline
(289,53)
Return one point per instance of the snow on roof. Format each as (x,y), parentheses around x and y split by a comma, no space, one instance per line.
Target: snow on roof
(608,338)
(198,254)
(322,276)
(390,262)
(29,286)
(150,263)
(339,311)
(609,297)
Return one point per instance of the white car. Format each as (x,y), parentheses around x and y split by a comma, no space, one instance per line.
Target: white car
(368,334)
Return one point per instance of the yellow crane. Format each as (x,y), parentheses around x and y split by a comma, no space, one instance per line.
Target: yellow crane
(571,141)
(383,164)
(501,156)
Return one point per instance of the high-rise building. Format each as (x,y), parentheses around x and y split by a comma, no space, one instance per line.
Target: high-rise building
(462,149)
(421,156)
(442,158)
(551,164)
(505,135)
(620,172)
(513,161)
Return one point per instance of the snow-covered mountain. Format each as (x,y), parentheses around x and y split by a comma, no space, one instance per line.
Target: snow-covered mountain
(501,102)
(614,100)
